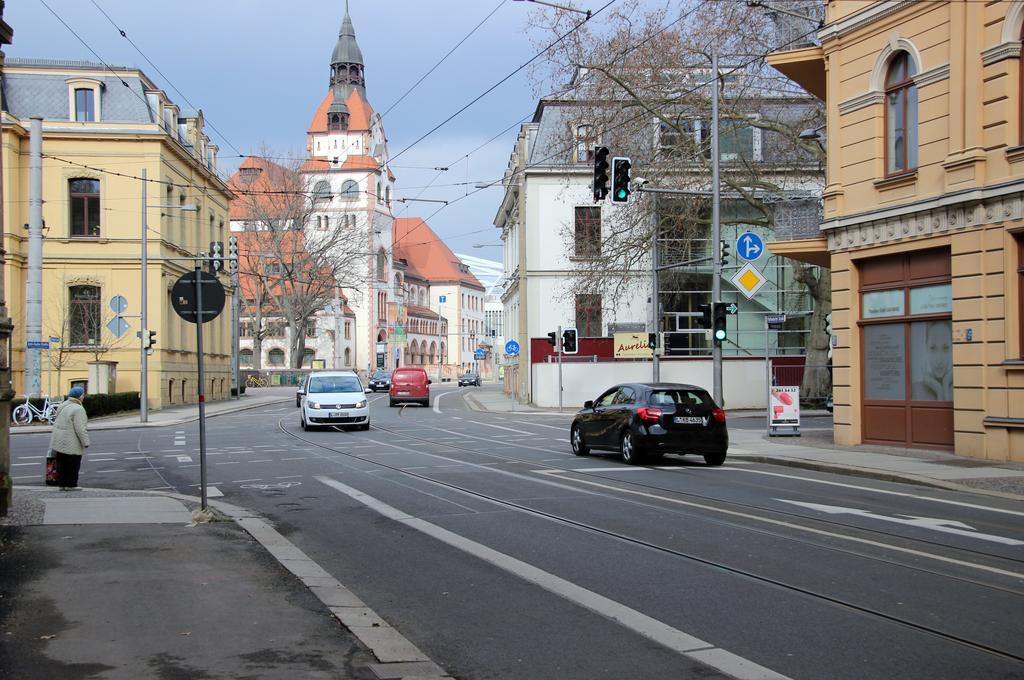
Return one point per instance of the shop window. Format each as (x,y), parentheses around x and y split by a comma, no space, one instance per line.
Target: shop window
(900,115)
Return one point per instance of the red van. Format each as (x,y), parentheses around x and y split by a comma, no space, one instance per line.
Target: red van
(409,384)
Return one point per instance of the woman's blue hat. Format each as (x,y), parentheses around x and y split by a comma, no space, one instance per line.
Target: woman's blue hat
(76,393)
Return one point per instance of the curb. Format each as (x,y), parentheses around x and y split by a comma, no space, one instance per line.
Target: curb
(397,656)
(46,429)
(475,405)
(872,473)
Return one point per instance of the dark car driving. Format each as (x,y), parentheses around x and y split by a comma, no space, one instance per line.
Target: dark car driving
(469,378)
(643,420)
(380,381)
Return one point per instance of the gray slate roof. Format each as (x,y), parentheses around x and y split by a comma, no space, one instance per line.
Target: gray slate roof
(347,50)
(26,95)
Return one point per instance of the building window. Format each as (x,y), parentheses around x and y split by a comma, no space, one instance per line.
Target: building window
(245,357)
(310,328)
(588,315)
(322,191)
(350,189)
(84,315)
(900,115)
(588,231)
(84,196)
(585,142)
(348,331)
(382,265)
(1020,294)
(307,357)
(348,356)
(275,357)
(85,105)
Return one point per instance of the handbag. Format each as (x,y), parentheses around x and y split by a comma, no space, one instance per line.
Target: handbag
(51,471)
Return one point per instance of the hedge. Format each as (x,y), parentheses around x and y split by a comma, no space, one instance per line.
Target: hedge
(97,404)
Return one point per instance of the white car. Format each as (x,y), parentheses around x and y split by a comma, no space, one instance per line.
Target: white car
(334,398)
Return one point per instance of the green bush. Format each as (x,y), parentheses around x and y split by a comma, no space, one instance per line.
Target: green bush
(105,404)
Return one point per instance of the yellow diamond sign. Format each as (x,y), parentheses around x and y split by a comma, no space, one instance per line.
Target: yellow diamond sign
(748,280)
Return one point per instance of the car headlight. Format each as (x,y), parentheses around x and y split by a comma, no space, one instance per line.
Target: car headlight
(361,404)
(313,404)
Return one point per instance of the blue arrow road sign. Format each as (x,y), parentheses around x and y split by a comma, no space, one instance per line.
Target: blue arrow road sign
(442,299)
(749,246)
(511,348)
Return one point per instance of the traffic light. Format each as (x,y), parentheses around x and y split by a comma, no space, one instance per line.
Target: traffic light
(600,173)
(719,333)
(652,340)
(828,324)
(232,254)
(723,252)
(216,256)
(705,320)
(620,179)
(569,344)
(553,338)
(148,338)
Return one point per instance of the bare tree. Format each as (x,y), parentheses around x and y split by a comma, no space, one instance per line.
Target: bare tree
(299,250)
(644,82)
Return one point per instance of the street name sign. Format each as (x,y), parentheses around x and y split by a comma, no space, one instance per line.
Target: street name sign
(748,280)
(37,344)
(775,321)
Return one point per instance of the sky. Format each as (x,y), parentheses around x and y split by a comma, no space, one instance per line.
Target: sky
(259,68)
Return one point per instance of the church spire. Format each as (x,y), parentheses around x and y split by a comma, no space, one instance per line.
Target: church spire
(347,62)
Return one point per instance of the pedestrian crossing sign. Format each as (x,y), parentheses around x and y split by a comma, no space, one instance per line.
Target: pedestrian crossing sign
(748,280)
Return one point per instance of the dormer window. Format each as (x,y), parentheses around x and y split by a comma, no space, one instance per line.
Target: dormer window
(85,105)
(84,99)
(585,142)
(249,175)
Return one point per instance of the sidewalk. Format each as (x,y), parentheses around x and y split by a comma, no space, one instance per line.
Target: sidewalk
(120,584)
(815,450)
(176,415)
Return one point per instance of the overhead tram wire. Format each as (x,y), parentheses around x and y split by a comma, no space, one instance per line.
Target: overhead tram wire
(149,61)
(442,60)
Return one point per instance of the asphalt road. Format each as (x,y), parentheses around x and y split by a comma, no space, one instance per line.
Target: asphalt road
(501,555)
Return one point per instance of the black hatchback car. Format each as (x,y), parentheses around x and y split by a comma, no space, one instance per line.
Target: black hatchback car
(641,420)
(380,381)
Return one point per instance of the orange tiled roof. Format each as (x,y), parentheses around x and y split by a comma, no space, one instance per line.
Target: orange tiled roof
(427,255)
(251,201)
(359,112)
(354,162)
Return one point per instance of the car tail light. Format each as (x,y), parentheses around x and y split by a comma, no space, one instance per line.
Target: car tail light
(649,414)
(718,414)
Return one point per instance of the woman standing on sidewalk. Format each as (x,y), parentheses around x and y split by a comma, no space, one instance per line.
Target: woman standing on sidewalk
(70,438)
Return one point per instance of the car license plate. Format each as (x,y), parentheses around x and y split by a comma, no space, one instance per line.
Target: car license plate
(688,420)
(338,414)
(403,394)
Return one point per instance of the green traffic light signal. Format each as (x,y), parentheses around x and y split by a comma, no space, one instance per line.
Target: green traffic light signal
(720,334)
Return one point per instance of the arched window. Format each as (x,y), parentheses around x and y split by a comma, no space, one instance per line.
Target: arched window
(350,189)
(900,115)
(307,357)
(84,195)
(387,196)
(85,315)
(414,349)
(380,193)
(275,357)
(322,191)
(382,265)
(245,357)
(348,356)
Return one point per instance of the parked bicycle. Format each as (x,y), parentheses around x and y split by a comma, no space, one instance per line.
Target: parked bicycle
(25,413)
(256,381)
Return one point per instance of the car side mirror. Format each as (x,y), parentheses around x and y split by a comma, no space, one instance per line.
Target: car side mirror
(588,404)
(301,392)
(430,382)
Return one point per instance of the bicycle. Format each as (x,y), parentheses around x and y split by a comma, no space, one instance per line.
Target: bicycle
(25,413)
(255,381)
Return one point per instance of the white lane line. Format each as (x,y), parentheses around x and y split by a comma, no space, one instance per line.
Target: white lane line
(213,492)
(36,464)
(293,459)
(649,627)
(437,401)
(98,471)
(500,427)
(98,460)
(290,477)
(239,481)
(551,427)
(262,460)
(25,477)
(31,457)
(229,462)
(888,492)
(456,417)
(179,443)
(789,525)
(623,468)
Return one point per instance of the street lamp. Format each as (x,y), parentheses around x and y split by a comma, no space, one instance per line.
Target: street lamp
(143,306)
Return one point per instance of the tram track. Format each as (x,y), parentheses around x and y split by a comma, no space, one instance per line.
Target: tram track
(721,566)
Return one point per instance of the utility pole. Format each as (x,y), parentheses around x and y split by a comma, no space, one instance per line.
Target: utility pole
(655,285)
(6,393)
(439,357)
(144,310)
(236,313)
(716,228)
(34,275)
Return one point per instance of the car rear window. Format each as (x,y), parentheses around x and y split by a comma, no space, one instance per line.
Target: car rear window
(328,384)
(698,399)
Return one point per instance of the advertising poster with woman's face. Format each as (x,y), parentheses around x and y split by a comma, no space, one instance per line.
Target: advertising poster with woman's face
(931,370)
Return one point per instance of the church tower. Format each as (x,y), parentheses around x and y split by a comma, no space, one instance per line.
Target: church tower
(347,174)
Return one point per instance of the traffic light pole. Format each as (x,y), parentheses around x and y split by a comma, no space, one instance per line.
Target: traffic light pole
(716,229)
(558,348)
(655,285)
(143,313)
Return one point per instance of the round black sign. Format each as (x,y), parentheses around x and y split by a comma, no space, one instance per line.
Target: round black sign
(183,296)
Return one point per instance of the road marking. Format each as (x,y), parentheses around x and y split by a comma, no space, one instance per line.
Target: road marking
(789,525)
(456,417)
(17,464)
(184,459)
(500,427)
(888,492)
(551,427)
(179,443)
(621,468)
(437,400)
(289,477)
(239,481)
(293,459)
(262,460)
(213,492)
(31,457)
(932,523)
(99,471)
(649,627)
(229,462)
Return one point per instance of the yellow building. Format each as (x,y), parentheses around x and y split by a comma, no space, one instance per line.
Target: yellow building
(923,223)
(101,130)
